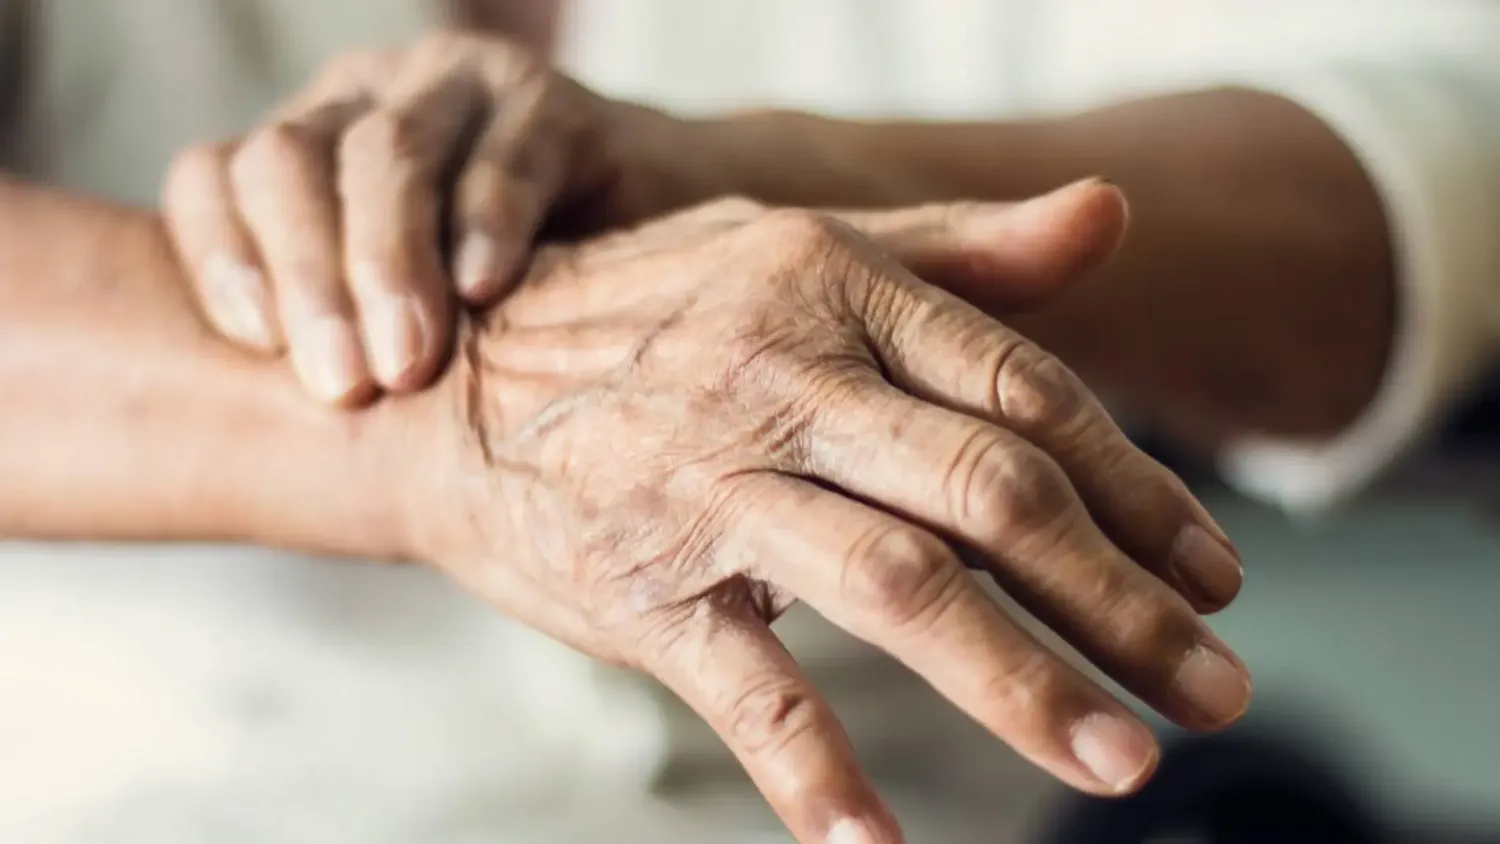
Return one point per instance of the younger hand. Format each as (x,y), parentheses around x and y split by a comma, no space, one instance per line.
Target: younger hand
(343,227)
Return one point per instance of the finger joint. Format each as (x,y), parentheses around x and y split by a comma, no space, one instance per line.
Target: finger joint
(1008,489)
(900,574)
(1035,392)
(771,713)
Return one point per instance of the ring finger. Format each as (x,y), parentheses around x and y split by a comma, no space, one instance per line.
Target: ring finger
(283,180)
(391,166)
(902,589)
(992,491)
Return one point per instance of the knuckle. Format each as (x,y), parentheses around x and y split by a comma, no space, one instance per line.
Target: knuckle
(528,160)
(1035,696)
(801,234)
(489,193)
(900,574)
(1034,391)
(771,713)
(826,265)
(1108,590)
(814,257)
(193,169)
(1153,628)
(1008,487)
(381,137)
(503,62)
(731,209)
(279,146)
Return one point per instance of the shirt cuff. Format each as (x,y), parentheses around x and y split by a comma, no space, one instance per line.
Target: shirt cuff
(1433,160)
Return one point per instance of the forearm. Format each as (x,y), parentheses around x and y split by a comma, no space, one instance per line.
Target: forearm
(1255,292)
(126,419)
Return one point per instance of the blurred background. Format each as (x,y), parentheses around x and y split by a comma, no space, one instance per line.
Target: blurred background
(236,695)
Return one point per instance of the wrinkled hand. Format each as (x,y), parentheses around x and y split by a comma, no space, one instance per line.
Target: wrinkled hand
(671,435)
(341,228)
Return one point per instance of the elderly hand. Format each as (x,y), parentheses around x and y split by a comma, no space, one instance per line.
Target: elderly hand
(341,228)
(662,439)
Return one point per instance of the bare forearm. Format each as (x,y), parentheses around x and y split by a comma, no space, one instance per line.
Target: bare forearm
(1255,292)
(124,418)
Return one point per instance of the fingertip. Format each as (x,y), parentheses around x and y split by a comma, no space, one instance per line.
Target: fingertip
(1008,256)
(360,396)
(1117,751)
(237,301)
(484,266)
(1075,228)
(1209,572)
(395,339)
(1105,206)
(329,361)
(1215,685)
(863,831)
(434,323)
(403,326)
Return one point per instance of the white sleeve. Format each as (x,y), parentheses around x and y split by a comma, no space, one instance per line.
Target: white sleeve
(1428,135)
(16,58)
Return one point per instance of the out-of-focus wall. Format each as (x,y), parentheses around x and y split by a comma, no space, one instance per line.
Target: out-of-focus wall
(1383,626)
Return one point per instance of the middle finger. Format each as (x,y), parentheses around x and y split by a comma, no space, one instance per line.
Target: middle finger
(992,491)
(391,165)
(902,589)
(283,182)
(945,351)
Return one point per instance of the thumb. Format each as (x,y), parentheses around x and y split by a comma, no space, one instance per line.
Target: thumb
(1004,256)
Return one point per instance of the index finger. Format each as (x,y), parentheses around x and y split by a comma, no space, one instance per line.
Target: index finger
(516,172)
(903,590)
(733,671)
(945,351)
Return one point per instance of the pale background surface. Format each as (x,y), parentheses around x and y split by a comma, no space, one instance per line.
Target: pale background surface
(230,695)
(300,729)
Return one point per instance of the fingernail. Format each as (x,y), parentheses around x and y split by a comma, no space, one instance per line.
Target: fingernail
(1088,183)
(396,334)
(1215,686)
(1117,752)
(327,356)
(851,831)
(1206,566)
(482,265)
(1206,519)
(1042,211)
(237,296)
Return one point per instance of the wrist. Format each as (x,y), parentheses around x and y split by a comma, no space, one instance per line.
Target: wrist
(667,162)
(129,421)
(304,476)
(782,157)
(790,158)
(445,484)
(670,162)
(401,477)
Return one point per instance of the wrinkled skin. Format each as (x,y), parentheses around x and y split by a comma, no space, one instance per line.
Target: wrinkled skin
(668,436)
(662,438)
